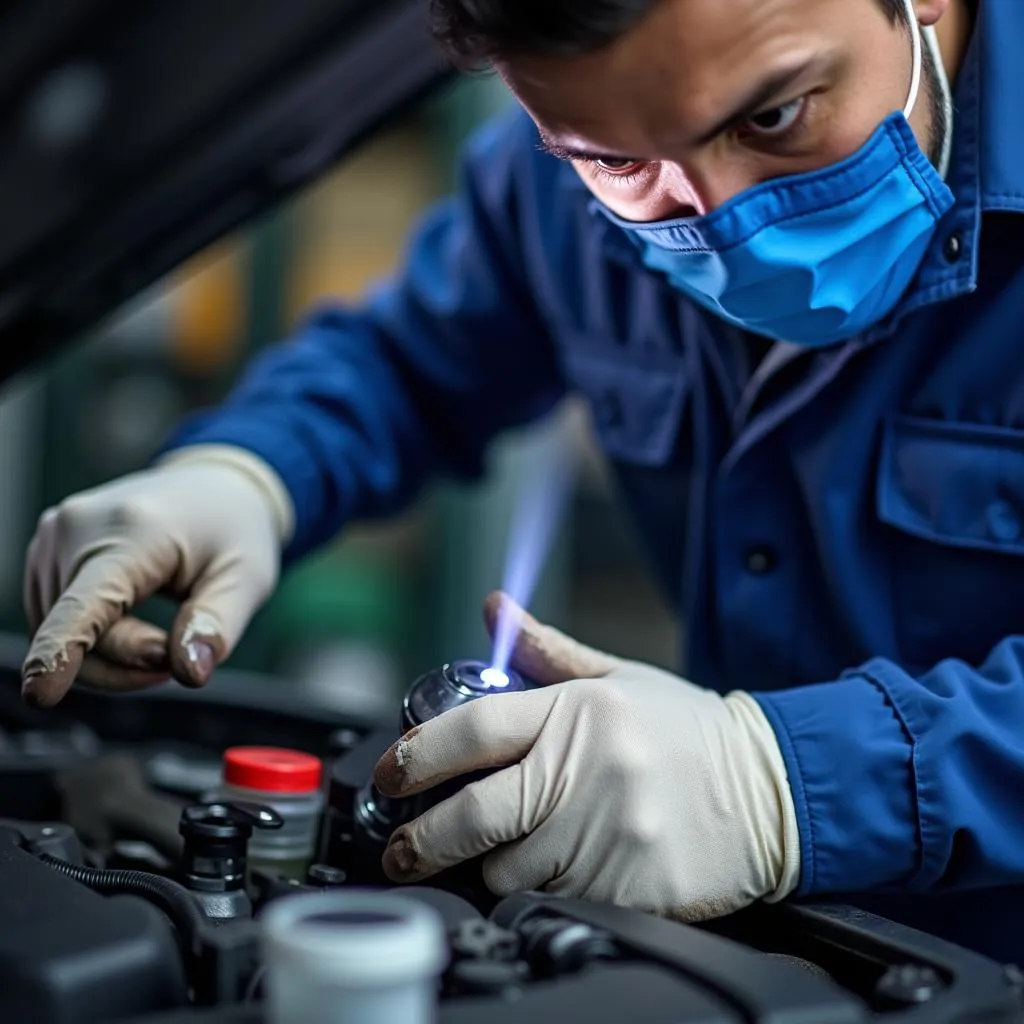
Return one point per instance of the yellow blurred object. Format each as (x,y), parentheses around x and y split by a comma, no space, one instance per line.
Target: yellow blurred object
(326,271)
(209,309)
(351,228)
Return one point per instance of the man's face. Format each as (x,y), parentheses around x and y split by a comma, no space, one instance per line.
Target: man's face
(707,98)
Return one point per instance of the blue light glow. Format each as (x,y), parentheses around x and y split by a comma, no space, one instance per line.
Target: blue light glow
(494,678)
(536,516)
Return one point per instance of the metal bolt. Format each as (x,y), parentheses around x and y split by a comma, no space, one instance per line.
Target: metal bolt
(326,876)
(483,940)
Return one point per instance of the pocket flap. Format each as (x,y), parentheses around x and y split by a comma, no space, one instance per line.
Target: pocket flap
(637,406)
(953,483)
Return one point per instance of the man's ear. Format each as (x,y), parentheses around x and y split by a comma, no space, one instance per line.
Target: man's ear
(930,11)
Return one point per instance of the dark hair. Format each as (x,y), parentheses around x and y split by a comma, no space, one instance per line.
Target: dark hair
(475,33)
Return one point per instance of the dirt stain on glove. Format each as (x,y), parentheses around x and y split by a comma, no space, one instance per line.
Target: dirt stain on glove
(391,775)
(402,862)
(196,647)
(48,675)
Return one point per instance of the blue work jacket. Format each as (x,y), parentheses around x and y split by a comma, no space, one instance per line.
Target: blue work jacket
(842,531)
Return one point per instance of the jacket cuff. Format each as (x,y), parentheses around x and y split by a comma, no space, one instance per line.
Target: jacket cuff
(850,766)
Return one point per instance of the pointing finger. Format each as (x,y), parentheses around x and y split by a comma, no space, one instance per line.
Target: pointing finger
(41,584)
(95,599)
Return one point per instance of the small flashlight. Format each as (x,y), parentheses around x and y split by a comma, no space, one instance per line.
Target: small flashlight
(453,685)
(375,817)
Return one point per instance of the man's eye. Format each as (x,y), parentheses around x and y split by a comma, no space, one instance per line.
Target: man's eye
(619,167)
(778,120)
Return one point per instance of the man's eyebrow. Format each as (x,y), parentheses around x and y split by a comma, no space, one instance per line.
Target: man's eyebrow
(769,89)
(563,152)
(764,93)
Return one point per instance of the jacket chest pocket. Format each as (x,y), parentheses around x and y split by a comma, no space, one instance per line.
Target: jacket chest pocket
(953,496)
(636,400)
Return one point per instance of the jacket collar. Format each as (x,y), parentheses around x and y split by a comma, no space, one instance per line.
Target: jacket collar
(997,64)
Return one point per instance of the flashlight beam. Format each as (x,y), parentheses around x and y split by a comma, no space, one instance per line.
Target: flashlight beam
(536,516)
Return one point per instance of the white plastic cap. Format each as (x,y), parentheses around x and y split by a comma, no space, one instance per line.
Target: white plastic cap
(354,938)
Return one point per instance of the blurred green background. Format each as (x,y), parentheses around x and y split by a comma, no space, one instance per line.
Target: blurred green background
(352,625)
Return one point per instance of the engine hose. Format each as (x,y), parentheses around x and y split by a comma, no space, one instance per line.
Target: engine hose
(173,899)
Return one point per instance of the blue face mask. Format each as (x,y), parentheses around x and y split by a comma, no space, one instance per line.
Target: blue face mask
(816,258)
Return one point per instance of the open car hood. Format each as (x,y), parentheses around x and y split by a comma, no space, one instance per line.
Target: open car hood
(135,134)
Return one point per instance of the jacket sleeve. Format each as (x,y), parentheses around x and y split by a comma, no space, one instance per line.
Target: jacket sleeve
(908,784)
(367,403)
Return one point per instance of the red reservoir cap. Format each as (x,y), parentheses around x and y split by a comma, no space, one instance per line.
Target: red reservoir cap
(272,769)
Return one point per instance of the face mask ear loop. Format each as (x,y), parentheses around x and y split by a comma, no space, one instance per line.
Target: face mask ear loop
(929,34)
(915,77)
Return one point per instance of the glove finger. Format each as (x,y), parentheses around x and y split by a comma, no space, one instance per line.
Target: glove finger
(488,733)
(98,595)
(41,579)
(541,653)
(478,818)
(102,674)
(526,865)
(136,645)
(197,644)
(209,625)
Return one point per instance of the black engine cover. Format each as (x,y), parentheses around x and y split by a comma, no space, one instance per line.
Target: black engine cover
(69,956)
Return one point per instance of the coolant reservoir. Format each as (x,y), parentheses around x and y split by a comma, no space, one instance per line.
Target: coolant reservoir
(352,957)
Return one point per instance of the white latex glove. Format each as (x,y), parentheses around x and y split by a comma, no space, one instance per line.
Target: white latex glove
(206,527)
(626,785)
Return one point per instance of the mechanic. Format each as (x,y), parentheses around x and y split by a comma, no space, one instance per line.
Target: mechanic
(775,243)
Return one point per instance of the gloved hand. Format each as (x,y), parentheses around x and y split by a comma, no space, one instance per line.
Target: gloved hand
(626,785)
(205,527)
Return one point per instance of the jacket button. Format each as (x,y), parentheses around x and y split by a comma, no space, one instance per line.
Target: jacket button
(1004,525)
(608,410)
(954,247)
(760,561)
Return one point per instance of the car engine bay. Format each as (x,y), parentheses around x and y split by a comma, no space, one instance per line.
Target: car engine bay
(126,894)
